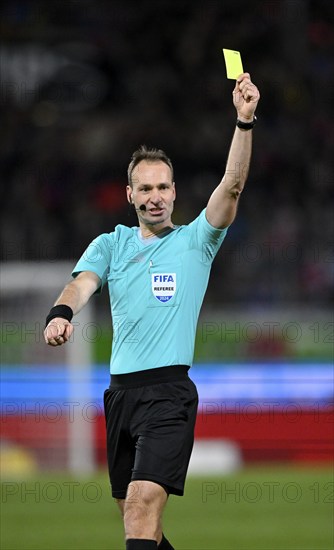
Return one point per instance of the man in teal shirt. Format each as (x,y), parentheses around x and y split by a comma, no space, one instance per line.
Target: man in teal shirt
(157,292)
(157,276)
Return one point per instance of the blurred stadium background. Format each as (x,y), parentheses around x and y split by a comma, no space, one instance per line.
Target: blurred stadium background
(83,84)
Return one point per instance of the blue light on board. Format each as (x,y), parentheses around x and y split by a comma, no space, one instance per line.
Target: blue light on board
(237,382)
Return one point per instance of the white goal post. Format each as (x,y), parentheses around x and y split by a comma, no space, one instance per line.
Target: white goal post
(28,291)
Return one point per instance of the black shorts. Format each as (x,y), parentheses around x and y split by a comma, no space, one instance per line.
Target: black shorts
(150,419)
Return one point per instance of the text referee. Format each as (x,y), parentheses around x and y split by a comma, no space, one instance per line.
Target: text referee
(157,276)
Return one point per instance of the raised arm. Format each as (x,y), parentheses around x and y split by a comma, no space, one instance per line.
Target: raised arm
(75,296)
(222,206)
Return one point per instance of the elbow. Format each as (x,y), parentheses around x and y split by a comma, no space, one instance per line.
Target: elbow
(235,194)
(228,220)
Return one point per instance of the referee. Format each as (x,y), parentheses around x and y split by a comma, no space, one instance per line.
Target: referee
(157,276)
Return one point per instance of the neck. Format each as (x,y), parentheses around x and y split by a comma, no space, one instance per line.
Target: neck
(148,231)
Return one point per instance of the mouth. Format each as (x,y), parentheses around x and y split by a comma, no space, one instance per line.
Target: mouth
(156,211)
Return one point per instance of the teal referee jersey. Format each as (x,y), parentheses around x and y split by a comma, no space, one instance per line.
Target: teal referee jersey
(156,288)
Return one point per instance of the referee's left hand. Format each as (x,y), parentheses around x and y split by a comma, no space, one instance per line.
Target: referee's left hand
(245,97)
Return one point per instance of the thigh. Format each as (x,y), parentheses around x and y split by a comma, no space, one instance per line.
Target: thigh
(120,447)
(166,434)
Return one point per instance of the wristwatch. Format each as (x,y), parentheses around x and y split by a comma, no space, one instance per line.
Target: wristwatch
(246,125)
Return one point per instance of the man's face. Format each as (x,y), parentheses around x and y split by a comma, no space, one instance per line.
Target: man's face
(152,187)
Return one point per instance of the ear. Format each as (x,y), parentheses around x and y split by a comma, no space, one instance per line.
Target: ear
(174,190)
(129,194)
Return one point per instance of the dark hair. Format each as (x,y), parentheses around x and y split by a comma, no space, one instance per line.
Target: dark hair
(151,155)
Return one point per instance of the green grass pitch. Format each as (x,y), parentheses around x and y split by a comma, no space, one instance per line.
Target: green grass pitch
(258,508)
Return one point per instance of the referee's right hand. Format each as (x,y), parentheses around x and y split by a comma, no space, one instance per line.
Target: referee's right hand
(58,331)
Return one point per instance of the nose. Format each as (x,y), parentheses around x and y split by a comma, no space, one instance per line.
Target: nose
(155,196)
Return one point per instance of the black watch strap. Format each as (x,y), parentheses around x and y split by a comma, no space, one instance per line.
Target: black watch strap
(246,125)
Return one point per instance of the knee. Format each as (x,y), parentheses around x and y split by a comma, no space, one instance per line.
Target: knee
(142,511)
(138,509)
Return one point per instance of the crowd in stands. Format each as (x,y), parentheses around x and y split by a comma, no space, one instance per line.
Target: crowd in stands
(84,83)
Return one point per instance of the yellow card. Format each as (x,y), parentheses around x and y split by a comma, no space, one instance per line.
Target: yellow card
(233,63)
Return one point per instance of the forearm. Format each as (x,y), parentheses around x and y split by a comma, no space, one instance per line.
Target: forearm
(77,293)
(72,297)
(222,205)
(238,161)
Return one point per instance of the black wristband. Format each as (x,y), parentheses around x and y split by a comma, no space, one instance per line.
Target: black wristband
(59,311)
(246,125)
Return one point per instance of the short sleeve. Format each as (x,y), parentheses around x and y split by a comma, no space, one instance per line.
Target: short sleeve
(97,257)
(206,237)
